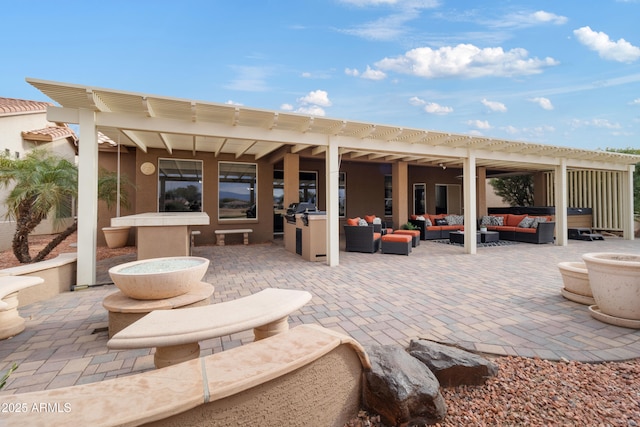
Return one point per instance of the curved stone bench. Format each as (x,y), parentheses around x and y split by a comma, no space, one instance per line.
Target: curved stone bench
(306,373)
(58,274)
(11,323)
(176,333)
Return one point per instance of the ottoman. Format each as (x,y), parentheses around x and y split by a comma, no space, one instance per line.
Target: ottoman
(415,234)
(399,244)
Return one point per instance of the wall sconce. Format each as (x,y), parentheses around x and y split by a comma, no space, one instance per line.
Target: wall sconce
(442,166)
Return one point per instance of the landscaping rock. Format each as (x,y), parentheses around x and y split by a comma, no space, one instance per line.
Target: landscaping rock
(452,366)
(401,389)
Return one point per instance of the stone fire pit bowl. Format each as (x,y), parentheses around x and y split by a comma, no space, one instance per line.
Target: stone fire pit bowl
(159,278)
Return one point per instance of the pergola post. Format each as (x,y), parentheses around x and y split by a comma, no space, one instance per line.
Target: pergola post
(470,209)
(627,204)
(399,191)
(87,198)
(332,172)
(560,191)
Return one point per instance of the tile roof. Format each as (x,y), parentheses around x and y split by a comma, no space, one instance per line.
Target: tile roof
(10,106)
(49,134)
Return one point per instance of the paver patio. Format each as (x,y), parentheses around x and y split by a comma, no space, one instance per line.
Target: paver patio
(503,300)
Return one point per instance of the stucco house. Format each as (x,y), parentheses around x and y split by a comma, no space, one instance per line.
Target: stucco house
(23,127)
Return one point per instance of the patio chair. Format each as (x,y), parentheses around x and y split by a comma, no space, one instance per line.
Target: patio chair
(361,238)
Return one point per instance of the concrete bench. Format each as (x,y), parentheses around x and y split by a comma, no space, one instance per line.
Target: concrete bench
(58,273)
(176,333)
(221,233)
(11,323)
(306,373)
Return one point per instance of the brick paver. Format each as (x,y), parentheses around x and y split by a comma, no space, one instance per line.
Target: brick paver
(503,300)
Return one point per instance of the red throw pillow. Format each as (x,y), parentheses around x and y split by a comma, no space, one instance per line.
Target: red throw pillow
(369,218)
(353,221)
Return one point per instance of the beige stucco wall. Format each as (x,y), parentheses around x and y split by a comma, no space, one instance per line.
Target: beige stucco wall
(11,128)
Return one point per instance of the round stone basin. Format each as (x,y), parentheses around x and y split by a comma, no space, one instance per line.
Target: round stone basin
(158,278)
(615,283)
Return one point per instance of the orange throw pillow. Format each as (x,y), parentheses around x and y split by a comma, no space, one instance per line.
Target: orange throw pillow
(353,221)
(369,218)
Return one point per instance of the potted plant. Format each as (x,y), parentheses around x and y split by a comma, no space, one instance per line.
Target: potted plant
(108,183)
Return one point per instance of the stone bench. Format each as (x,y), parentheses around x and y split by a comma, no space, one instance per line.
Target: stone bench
(176,333)
(306,373)
(58,274)
(11,323)
(221,233)
(124,311)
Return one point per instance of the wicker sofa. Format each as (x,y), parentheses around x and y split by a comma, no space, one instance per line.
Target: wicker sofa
(521,228)
(430,230)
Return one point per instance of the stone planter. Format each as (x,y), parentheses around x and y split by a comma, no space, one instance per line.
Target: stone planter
(159,278)
(116,237)
(615,283)
(575,278)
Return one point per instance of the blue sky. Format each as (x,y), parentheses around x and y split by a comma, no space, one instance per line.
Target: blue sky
(563,73)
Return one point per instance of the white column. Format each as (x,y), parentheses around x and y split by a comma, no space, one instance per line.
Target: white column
(627,205)
(332,172)
(470,208)
(87,198)
(560,190)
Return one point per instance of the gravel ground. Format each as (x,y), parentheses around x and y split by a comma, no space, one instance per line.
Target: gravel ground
(535,392)
(526,392)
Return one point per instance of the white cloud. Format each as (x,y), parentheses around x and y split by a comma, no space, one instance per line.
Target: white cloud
(479,124)
(621,50)
(597,123)
(230,102)
(543,102)
(434,108)
(635,102)
(512,130)
(542,16)
(529,19)
(371,74)
(494,105)
(465,60)
(393,26)
(352,72)
(430,107)
(306,74)
(311,109)
(316,97)
(311,103)
(250,79)
(417,102)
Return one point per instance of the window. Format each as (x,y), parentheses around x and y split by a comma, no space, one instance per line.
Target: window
(388,200)
(419,199)
(342,195)
(237,190)
(308,186)
(179,185)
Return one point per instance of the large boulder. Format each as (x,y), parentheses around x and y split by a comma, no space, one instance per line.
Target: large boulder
(452,366)
(401,389)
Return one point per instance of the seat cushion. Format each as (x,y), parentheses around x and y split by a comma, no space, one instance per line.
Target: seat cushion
(396,237)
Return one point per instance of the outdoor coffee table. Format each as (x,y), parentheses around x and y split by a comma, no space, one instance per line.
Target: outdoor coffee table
(481,237)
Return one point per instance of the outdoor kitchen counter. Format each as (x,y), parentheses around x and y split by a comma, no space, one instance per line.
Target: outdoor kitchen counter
(162,234)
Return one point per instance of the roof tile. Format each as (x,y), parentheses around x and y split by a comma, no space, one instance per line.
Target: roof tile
(13,106)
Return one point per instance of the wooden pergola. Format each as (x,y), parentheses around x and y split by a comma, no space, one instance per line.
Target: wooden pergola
(148,121)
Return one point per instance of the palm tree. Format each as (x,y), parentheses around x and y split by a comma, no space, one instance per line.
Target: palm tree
(44,184)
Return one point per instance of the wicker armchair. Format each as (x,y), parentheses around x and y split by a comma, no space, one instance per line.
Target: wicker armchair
(361,238)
